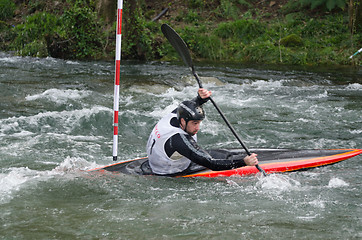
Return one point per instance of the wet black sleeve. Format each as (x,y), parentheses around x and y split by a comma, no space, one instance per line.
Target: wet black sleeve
(200,101)
(187,146)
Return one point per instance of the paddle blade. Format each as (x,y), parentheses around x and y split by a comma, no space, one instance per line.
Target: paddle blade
(178,44)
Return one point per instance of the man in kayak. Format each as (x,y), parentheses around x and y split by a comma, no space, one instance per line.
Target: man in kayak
(172,147)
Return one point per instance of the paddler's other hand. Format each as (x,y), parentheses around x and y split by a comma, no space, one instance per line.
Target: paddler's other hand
(251,160)
(204,93)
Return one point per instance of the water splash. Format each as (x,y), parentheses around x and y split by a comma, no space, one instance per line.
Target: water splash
(73,165)
(354,86)
(60,96)
(336,183)
(67,120)
(277,183)
(14,180)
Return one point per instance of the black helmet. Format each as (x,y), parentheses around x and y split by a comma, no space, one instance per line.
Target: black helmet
(188,110)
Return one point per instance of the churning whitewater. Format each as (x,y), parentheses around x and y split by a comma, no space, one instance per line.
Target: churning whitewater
(56,123)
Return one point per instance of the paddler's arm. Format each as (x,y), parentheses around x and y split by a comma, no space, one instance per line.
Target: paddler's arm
(187,146)
(202,97)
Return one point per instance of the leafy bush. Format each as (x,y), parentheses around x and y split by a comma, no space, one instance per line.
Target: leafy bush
(33,32)
(220,30)
(82,31)
(36,26)
(75,34)
(36,48)
(7,8)
(6,35)
(139,43)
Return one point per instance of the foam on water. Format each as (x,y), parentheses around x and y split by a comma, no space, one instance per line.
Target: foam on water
(49,61)
(318,203)
(173,98)
(266,85)
(74,164)
(277,183)
(8,59)
(211,126)
(159,112)
(354,86)
(72,62)
(13,180)
(337,182)
(309,218)
(45,148)
(60,96)
(324,94)
(69,120)
(357,131)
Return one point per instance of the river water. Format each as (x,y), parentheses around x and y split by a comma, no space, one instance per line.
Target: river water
(56,123)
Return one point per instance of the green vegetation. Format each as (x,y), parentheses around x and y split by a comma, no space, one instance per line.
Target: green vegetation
(81,32)
(30,36)
(302,32)
(76,33)
(329,4)
(7,8)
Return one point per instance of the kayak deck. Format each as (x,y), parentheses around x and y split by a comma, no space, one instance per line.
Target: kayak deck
(271,160)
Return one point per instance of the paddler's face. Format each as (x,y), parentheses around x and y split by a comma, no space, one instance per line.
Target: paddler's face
(192,127)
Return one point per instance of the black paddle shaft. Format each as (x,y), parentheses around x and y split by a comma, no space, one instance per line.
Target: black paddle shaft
(223,117)
(180,46)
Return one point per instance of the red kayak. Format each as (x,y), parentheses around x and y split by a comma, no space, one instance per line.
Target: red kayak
(271,160)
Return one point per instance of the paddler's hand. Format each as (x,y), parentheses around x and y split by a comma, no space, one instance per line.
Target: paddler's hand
(204,93)
(251,160)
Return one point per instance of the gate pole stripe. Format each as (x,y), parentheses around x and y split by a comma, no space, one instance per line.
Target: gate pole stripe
(117,78)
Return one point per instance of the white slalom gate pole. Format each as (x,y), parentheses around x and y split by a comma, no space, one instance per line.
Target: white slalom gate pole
(117,78)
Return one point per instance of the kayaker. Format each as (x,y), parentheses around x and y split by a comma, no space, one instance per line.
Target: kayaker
(172,148)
